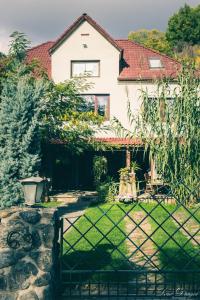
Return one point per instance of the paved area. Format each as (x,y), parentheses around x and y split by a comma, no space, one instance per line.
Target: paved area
(74,203)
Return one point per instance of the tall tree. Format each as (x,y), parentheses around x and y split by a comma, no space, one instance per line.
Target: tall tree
(184,27)
(18,46)
(154,39)
(22,103)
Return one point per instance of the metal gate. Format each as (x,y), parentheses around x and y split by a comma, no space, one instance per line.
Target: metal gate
(145,249)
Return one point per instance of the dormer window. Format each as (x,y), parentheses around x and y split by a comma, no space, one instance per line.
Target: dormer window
(85,68)
(155,63)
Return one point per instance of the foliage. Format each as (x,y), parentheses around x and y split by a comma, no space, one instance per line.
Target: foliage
(3,70)
(100,168)
(189,54)
(34,109)
(154,39)
(135,166)
(184,27)
(173,132)
(124,172)
(108,190)
(18,46)
(22,104)
(2,55)
(64,119)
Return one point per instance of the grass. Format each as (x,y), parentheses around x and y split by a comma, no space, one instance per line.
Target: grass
(176,252)
(98,248)
(50,204)
(104,248)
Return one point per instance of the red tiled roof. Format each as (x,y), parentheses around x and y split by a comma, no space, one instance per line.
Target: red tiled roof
(76,24)
(120,141)
(41,53)
(135,64)
(111,141)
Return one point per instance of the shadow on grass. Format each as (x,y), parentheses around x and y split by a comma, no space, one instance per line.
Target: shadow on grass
(184,265)
(98,265)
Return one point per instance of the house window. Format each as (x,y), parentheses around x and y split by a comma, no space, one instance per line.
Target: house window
(98,104)
(155,63)
(85,68)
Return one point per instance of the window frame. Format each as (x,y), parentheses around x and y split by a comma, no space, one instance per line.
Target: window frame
(85,61)
(155,58)
(107,112)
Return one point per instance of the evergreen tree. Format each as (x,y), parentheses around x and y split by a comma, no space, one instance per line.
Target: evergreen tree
(20,115)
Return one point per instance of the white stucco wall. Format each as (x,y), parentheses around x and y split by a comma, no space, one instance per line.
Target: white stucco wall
(98,48)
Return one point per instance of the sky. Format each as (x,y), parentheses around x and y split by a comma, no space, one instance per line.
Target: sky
(44,20)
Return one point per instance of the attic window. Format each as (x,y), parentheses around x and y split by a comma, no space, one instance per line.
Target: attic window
(155,63)
(85,34)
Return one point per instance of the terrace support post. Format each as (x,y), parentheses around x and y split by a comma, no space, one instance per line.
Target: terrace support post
(152,167)
(128,158)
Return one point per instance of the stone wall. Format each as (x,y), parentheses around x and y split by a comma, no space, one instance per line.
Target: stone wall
(28,254)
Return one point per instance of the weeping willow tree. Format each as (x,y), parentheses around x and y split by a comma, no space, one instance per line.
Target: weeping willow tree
(169,126)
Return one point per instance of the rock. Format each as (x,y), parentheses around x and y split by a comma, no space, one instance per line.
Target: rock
(36,239)
(20,273)
(45,293)
(2,283)
(5,213)
(47,233)
(21,239)
(43,280)
(8,296)
(3,235)
(20,254)
(31,217)
(48,294)
(25,285)
(15,222)
(7,258)
(43,259)
(27,252)
(30,295)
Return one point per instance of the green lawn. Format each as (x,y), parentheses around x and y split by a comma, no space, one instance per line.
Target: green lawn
(176,251)
(103,247)
(50,204)
(107,255)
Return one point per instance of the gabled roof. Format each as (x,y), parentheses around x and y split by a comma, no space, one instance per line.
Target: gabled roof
(84,17)
(135,63)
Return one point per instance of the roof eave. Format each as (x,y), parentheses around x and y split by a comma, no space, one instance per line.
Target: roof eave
(139,79)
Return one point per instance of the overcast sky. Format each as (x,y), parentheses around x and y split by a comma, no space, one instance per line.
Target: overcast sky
(44,20)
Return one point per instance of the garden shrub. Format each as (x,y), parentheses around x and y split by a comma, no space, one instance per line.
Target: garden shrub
(108,190)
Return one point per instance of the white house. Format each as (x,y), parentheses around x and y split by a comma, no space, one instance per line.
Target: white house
(114,67)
